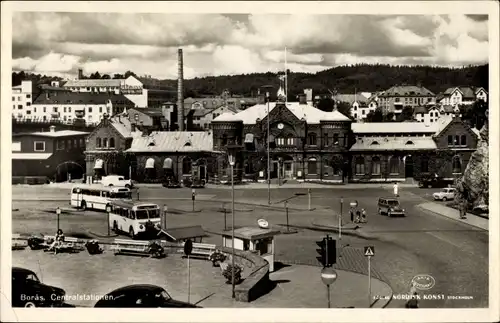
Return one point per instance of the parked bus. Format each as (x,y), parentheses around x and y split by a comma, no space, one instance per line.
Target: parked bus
(98,197)
(135,218)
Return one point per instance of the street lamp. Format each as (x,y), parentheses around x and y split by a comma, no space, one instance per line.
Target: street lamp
(58,212)
(231,155)
(268,154)
(340,217)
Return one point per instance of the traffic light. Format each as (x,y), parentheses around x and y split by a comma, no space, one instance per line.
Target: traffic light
(331,251)
(322,252)
(327,252)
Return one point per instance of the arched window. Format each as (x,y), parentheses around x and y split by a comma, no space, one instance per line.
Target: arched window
(409,142)
(360,166)
(290,140)
(98,142)
(311,139)
(394,165)
(167,163)
(374,143)
(375,165)
(424,165)
(456,165)
(312,166)
(150,163)
(112,142)
(280,141)
(105,143)
(186,166)
(463,140)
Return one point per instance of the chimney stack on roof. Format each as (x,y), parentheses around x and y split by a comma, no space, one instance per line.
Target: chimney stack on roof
(80,74)
(180,92)
(52,128)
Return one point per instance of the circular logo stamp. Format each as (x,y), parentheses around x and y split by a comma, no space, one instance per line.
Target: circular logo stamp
(423,281)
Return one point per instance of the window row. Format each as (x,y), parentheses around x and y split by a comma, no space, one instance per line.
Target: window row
(70,144)
(456,140)
(68,109)
(376,165)
(105,143)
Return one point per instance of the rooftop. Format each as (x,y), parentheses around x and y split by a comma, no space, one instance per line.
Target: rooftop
(152,112)
(173,141)
(351,98)
(467,91)
(30,156)
(94,83)
(82,98)
(252,232)
(311,114)
(392,127)
(407,90)
(54,134)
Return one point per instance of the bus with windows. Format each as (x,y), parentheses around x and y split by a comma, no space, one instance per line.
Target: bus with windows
(97,197)
(135,218)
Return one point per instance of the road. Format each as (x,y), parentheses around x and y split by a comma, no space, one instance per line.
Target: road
(454,254)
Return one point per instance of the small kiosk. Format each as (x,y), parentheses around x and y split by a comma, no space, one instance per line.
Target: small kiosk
(253,239)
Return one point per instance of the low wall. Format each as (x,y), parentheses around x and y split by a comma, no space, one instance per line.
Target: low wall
(257,283)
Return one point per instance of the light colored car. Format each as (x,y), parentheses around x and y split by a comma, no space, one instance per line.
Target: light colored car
(446,194)
(116,180)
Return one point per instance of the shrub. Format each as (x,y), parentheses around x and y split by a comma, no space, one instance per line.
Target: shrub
(227,273)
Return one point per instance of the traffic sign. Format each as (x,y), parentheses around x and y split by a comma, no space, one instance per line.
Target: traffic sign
(370,251)
(328,275)
(188,247)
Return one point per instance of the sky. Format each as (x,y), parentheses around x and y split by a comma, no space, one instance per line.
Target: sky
(55,43)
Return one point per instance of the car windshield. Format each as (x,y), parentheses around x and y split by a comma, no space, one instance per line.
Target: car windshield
(120,195)
(393,203)
(445,190)
(162,294)
(32,277)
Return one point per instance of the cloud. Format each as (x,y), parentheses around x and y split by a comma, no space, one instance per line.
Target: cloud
(214,44)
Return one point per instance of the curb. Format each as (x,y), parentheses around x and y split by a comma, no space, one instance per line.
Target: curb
(452,218)
(387,302)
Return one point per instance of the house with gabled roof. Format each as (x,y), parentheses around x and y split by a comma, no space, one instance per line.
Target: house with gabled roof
(360,104)
(397,97)
(462,95)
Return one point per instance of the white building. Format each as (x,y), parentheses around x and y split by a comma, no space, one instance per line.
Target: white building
(22,98)
(360,104)
(462,95)
(432,114)
(68,106)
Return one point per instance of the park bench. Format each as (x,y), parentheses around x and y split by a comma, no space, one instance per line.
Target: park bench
(18,242)
(137,248)
(202,250)
(69,245)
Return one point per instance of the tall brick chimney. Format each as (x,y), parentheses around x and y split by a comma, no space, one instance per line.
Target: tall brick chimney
(180,92)
(80,74)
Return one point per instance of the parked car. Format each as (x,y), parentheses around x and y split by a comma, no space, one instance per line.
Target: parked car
(434,182)
(171,182)
(390,206)
(445,194)
(140,295)
(116,180)
(29,291)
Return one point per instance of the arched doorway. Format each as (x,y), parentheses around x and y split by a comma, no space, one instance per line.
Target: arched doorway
(408,161)
(68,170)
(202,169)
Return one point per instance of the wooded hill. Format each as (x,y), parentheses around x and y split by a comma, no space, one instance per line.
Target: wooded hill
(343,79)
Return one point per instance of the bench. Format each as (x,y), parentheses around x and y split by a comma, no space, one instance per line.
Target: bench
(137,248)
(202,250)
(18,242)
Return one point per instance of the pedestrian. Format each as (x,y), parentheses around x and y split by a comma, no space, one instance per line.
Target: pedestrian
(396,189)
(138,194)
(351,212)
(358,216)
(363,215)
(463,211)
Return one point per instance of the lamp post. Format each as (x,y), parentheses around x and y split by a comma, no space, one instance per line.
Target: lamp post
(268,154)
(232,150)
(340,217)
(58,212)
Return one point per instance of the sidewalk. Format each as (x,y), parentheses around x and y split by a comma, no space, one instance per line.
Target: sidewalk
(473,220)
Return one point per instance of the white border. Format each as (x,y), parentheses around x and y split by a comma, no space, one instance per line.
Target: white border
(256,315)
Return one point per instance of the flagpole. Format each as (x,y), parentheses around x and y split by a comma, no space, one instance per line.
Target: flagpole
(286,80)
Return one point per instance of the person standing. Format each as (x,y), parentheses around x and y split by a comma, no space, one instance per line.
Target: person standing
(395,188)
(363,215)
(351,212)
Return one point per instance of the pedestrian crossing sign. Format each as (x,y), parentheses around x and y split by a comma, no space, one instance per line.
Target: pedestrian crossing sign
(370,251)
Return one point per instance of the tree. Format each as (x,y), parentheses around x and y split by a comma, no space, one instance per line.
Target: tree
(375,116)
(475,115)
(326,105)
(344,108)
(117,76)
(406,114)
(105,77)
(129,73)
(389,117)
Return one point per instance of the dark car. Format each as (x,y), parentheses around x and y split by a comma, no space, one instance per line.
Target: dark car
(390,206)
(142,295)
(434,182)
(29,291)
(171,182)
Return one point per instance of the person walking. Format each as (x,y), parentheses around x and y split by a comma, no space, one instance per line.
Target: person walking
(395,188)
(358,216)
(351,212)
(463,211)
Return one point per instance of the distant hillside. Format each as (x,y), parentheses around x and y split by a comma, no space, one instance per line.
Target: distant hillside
(344,79)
